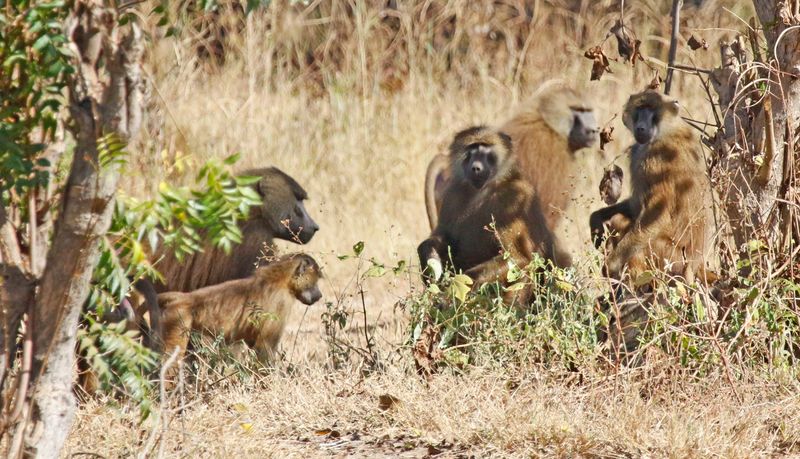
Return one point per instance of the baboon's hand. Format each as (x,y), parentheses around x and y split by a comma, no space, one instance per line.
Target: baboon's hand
(433,269)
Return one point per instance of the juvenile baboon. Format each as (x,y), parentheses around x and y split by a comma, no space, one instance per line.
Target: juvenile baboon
(252,309)
(546,134)
(485,209)
(667,219)
(282,215)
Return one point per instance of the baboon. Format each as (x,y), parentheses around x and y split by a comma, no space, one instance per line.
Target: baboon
(282,215)
(252,309)
(667,219)
(486,190)
(436,178)
(546,134)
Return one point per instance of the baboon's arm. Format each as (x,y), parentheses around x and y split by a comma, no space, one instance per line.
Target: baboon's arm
(430,257)
(516,241)
(599,218)
(643,238)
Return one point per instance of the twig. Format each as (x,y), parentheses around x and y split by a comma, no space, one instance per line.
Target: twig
(364,308)
(689,68)
(151,440)
(673,43)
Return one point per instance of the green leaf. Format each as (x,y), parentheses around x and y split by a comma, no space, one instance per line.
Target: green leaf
(358,248)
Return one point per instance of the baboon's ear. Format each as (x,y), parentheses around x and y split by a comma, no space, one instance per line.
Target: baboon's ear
(506,139)
(303,265)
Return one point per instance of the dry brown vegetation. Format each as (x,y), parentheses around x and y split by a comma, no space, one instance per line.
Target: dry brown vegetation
(353,99)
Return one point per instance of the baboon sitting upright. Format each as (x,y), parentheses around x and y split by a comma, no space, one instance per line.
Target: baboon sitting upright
(666,223)
(485,209)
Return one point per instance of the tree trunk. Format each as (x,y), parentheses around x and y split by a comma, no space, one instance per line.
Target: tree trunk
(105,98)
(758,137)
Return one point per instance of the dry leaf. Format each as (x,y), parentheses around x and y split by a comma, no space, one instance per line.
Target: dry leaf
(696,44)
(606,136)
(600,64)
(611,184)
(426,352)
(627,44)
(387,401)
(655,83)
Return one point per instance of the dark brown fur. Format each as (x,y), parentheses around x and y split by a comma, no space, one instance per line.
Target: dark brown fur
(252,309)
(541,134)
(463,231)
(666,223)
(281,216)
(281,194)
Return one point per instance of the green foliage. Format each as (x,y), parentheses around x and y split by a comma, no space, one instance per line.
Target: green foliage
(35,62)
(475,326)
(119,360)
(183,217)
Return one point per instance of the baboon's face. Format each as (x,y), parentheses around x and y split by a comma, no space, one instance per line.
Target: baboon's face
(584,131)
(479,164)
(645,124)
(296,224)
(305,280)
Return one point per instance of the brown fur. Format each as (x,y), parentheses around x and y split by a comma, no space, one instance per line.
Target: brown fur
(436,178)
(252,310)
(540,133)
(280,216)
(545,158)
(212,265)
(463,229)
(666,222)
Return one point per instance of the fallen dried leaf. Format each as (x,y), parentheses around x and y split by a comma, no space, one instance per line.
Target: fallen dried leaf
(426,352)
(386,401)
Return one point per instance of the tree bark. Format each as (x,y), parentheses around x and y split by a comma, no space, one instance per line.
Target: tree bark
(105,97)
(758,136)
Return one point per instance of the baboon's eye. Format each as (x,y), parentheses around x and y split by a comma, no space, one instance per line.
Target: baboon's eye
(491,159)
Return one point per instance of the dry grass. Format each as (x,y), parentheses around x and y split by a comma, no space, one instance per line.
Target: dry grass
(357,127)
(315,413)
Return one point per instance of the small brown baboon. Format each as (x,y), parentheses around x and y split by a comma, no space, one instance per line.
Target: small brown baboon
(667,221)
(282,215)
(252,309)
(546,134)
(485,209)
